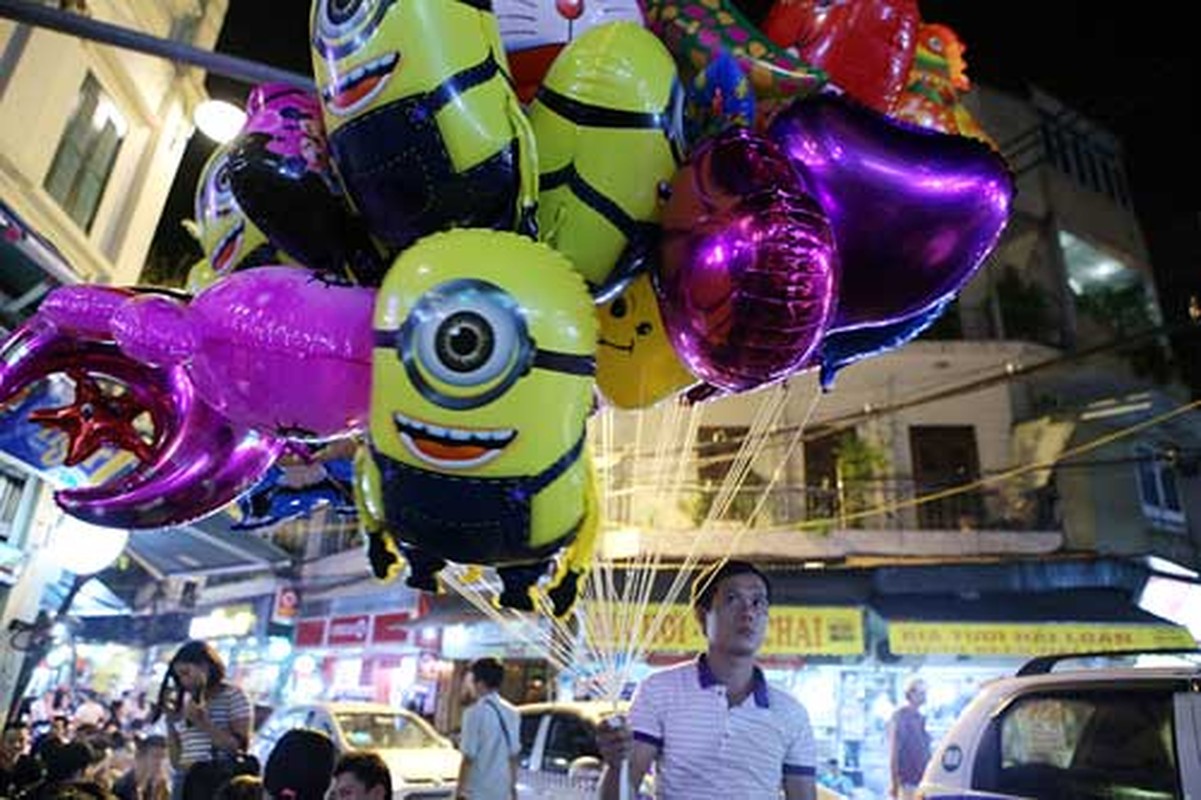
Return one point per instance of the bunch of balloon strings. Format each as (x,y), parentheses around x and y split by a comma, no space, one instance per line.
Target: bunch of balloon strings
(647,466)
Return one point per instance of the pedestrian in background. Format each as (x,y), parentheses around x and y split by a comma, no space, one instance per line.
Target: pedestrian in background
(150,778)
(208,718)
(909,743)
(491,737)
(362,776)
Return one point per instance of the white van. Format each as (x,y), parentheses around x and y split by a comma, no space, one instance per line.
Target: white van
(1075,735)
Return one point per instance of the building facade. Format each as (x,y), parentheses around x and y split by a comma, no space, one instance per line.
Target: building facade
(90,139)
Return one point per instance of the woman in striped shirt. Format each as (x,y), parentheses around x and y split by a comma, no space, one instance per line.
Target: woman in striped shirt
(208,719)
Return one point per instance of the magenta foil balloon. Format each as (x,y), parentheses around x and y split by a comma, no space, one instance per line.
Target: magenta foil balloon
(200,461)
(281,174)
(914,212)
(746,287)
(283,351)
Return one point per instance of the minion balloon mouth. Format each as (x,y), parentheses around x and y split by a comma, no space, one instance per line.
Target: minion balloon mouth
(357,88)
(628,349)
(451,448)
(227,249)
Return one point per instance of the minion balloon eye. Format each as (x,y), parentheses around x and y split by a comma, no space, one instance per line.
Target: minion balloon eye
(471,334)
(216,197)
(342,26)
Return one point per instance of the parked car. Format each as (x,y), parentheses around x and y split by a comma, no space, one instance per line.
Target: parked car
(424,764)
(1086,733)
(559,756)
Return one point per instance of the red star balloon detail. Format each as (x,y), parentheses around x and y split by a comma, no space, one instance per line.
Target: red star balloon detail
(94,420)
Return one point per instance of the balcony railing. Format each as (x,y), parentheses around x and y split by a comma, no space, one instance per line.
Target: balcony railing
(869,505)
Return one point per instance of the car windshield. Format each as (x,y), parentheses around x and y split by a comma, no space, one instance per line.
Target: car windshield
(370,731)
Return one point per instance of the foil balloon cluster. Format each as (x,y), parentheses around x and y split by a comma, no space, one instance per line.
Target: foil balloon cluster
(441,265)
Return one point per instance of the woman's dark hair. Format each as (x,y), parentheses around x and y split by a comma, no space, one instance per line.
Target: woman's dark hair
(301,765)
(195,652)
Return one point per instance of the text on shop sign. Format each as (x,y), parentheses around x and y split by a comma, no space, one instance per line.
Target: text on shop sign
(921,638)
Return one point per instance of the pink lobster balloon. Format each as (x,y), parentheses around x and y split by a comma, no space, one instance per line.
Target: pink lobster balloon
(914,212)
(746,287)
(200,462)
(274,348)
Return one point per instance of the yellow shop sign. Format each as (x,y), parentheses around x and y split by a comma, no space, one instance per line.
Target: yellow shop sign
(1031,639)
(791,630)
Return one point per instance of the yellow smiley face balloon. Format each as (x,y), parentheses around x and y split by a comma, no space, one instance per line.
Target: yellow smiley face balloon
(635,364)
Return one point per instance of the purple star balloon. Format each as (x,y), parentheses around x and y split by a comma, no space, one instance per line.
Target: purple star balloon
(914,212)
(746,287)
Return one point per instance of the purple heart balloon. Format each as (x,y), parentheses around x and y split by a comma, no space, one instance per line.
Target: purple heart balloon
(914,212)
(746,287)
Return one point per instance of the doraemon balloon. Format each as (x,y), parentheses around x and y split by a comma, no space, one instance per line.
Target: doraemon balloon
(535,32)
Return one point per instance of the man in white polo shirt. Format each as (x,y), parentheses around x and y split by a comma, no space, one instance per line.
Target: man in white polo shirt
(713,726)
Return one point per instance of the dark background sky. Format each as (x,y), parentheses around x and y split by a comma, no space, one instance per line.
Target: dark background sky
(1127,66)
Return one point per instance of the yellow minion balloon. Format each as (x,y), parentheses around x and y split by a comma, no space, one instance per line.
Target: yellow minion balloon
(229,239)
(608,122)
(635,364)
(200,276)
(482,382)
(422,120)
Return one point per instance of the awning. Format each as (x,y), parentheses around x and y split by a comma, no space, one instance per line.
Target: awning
(142,631)
(1024,625)
(207,547)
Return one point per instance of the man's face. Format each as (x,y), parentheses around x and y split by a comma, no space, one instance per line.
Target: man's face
(737,620)
(16,743)
(59,728)
(917,693)
(152,761)
(349,787)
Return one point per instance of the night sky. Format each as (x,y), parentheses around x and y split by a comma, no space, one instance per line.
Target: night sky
(1123,66)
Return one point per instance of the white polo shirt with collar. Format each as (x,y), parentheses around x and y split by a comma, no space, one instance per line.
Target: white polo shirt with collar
(708,749)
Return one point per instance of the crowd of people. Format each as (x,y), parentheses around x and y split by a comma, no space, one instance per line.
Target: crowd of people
(708,724)
(190,744)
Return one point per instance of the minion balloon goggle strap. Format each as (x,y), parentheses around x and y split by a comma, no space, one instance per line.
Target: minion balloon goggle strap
(342,27)
(471,336)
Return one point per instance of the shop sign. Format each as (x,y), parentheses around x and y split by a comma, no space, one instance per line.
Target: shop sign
(391,628)
(286,607)
(349,630)
(310,632)
(791,630)
(221,623)
(965,638)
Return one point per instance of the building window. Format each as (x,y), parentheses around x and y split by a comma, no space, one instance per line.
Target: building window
(11,488)
(945,457)
(1157,490)
(86,154)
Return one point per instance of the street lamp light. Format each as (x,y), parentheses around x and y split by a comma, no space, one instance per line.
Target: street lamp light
(85,549)
(219,120)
